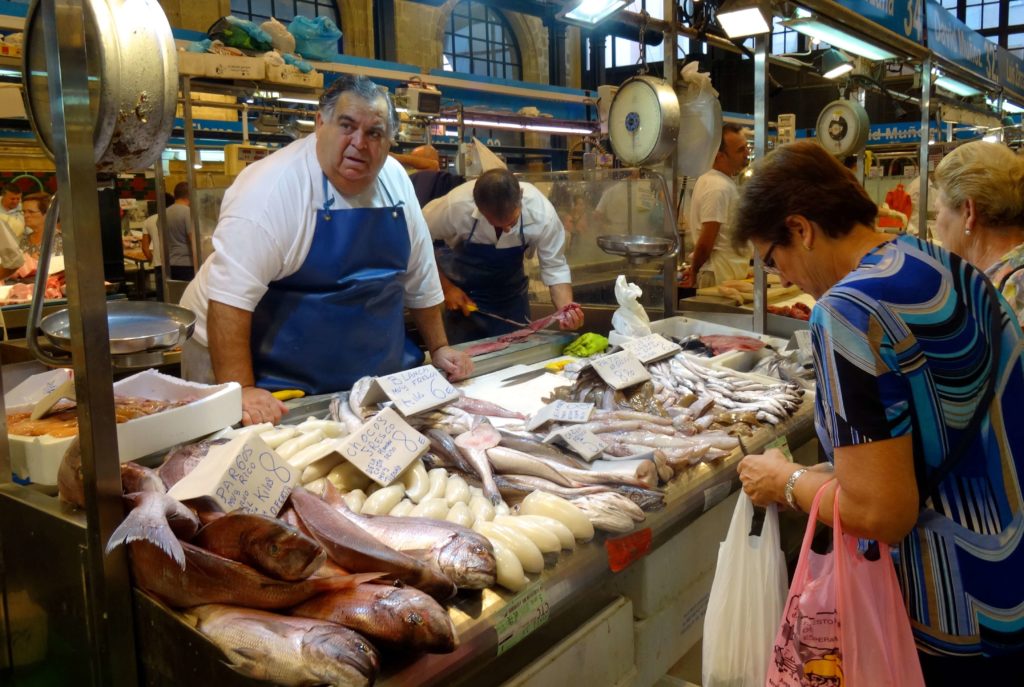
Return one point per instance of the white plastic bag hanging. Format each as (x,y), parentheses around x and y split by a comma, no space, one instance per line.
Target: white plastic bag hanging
(700,121)
(630,321)
(746,601)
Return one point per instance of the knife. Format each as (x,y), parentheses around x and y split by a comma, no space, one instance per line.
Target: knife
(523,377)
(522,325)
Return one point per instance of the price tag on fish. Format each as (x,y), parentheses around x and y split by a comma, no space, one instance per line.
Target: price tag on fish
(384,447)
(620,370)
(652,347)
(580,440)
(244,474)
(561,411)
(413,391)
(523,614)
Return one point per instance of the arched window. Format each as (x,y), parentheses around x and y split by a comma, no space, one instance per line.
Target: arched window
(284,10)
(479,41)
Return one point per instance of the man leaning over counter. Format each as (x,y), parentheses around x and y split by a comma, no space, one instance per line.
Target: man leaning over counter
(318,249)
(489,225)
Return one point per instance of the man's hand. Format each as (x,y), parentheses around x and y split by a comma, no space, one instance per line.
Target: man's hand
(573,320)
(687,280)
(456,299)
(259,405)
(456,364)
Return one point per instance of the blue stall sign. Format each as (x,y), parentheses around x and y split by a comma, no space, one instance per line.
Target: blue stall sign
(902,17)
(1011,75)
(951,39)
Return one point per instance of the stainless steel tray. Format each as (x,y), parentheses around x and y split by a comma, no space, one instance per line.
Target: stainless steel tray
(135,326)
(637,247)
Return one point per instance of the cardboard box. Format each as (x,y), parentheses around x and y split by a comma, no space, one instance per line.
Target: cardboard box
(8,50)
(291,76)
(210,408)
(221,66)
(191,63)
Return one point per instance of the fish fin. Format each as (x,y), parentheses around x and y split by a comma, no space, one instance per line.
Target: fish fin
(420,554)
(138,526)
(349,581)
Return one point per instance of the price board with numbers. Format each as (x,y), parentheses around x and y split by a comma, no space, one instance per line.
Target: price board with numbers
(527,611)
(384,447)
(621,370)
(413,391)
(580,440)
(652,347)
(561,411)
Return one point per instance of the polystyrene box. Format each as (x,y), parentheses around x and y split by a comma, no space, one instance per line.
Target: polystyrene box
(682,327)
(212,407)
(283,74)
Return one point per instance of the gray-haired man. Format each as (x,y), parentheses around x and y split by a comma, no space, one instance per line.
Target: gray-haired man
(318,250)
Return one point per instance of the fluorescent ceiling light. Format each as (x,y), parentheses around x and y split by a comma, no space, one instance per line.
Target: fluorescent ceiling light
(958,87)
(305,122)
(516,126)
(834,64)
(840,39)
(303,101)
(838,71)
(10,72)
(741,18)
(1011,108)
(990,138)
(589,13)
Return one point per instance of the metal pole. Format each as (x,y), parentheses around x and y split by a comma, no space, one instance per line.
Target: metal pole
(109,612)
(669,282)
(760,150)
(190,172)
(926,105)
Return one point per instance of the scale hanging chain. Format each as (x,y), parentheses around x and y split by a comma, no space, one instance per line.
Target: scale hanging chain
(644,17)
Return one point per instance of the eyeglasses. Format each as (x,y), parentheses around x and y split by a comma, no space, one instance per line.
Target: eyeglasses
(767,262)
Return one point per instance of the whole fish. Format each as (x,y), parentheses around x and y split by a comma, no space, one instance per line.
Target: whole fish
(357,395)
(478,406)
(397,616)
(466,557)
(286,650)
(209,578)
(270,545)
(355,550)
(158,519)
(524,484)
(474,445)
(536,447)
(506,460)
(135,478)
(442,444)
(70,481)
(181,460)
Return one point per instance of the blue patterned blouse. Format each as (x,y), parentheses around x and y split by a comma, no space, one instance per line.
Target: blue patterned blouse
(903,345)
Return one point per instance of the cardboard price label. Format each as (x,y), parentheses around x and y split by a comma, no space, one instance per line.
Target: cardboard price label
(620,370)
(578,439)
(413,391)
(383,447)
(243,474)
(652,347)
(527,611)
(561,411)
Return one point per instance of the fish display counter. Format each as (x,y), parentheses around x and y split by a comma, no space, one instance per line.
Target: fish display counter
(615,606)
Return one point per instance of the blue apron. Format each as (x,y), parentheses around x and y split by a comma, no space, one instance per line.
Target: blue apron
(340,317)
(494,278)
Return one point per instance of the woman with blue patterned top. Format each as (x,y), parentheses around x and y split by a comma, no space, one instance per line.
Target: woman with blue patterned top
(981,213)
(904,334)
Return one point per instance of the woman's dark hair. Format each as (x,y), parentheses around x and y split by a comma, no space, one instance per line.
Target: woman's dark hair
(801,179)
(43,200)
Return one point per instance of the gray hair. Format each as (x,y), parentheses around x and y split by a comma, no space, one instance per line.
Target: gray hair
(363,88)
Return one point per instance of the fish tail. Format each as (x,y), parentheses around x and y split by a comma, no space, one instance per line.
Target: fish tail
(142,524)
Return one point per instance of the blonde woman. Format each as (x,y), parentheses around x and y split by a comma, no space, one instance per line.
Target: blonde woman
(980,215)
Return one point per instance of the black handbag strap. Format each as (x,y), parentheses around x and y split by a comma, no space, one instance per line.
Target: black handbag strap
(1006,277)
(960,450)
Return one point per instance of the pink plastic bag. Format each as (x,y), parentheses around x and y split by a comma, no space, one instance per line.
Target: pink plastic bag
(844,622)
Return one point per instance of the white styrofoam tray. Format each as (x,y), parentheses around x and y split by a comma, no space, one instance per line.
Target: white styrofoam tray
(682,327)
(210,407)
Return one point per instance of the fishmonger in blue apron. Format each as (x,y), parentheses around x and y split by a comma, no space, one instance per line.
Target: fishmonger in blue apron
(340,317)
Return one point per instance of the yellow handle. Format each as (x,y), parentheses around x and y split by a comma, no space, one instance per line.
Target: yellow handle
(288,394)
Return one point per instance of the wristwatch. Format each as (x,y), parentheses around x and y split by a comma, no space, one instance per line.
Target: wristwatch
(788,491)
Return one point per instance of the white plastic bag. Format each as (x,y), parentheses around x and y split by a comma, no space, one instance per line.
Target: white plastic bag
(280,38)
(746,602)
(700,121)
(630,321)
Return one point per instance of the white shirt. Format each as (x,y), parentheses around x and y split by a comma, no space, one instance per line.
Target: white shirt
(266,227)
(150,228)
(14,219)
(451,219)
(714,200)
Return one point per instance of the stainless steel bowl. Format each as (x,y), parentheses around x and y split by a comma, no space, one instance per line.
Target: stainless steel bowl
(135,326)
(637,247)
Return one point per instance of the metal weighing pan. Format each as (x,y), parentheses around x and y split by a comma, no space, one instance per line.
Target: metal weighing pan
(637,248)
(135,326)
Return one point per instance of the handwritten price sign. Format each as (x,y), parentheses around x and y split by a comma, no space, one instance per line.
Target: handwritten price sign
(580,440)
(243,474)
(384,447)
(561,411)
(652,347)
(621,370)
(413,391)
